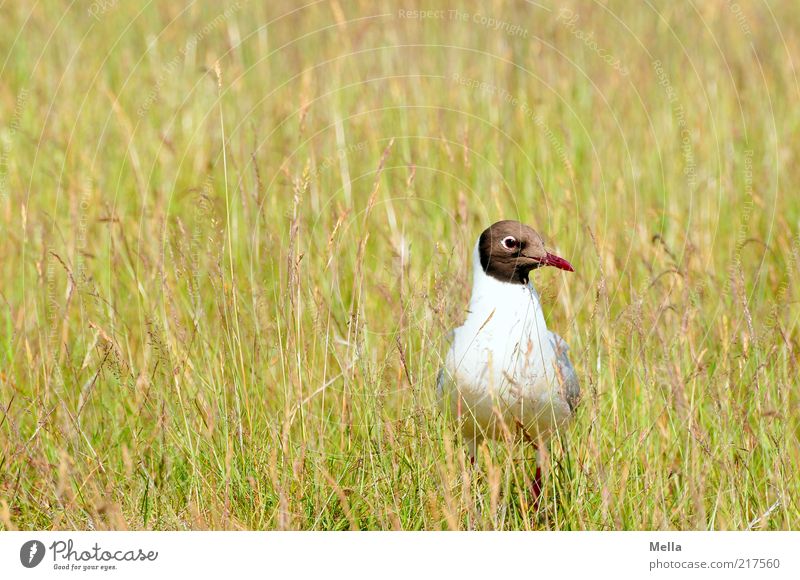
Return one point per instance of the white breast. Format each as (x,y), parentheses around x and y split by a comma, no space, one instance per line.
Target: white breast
(502,369)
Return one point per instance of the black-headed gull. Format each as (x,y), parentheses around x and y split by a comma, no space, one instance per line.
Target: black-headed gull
(505,372)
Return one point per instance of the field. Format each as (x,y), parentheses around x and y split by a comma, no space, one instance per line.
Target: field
(235,238)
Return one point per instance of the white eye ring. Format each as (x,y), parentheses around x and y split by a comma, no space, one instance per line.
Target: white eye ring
(510,243)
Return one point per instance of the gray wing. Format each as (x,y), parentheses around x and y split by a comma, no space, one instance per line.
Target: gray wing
(568,378)
(440,383)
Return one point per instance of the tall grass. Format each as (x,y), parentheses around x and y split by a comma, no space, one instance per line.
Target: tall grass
(235,238)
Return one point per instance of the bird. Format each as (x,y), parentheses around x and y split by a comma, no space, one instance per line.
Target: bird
(505,372)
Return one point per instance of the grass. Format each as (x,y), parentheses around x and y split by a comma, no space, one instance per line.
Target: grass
(234,241)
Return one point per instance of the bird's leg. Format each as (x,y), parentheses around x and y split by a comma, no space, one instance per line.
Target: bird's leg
(472,448)
(536,484)
(473,441)
(536,488)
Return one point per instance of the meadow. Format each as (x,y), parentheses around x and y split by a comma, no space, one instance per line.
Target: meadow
(235,237)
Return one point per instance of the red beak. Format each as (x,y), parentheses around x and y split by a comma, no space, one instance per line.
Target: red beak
(560,263)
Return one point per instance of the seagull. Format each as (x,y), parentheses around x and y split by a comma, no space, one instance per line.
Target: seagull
(505,372)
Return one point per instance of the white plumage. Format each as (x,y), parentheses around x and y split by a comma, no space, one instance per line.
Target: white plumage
(504,370)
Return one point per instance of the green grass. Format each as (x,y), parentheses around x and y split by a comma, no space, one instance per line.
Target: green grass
(233,244)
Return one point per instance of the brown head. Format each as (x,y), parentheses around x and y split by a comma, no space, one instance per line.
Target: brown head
(509,250)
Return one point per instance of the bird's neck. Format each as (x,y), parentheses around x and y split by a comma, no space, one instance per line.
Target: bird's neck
(504,300)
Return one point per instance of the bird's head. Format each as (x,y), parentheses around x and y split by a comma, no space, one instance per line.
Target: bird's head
(509,250)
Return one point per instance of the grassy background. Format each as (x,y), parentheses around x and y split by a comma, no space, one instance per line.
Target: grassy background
(234,239)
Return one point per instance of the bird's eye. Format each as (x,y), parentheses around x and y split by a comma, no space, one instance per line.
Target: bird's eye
(510,243)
